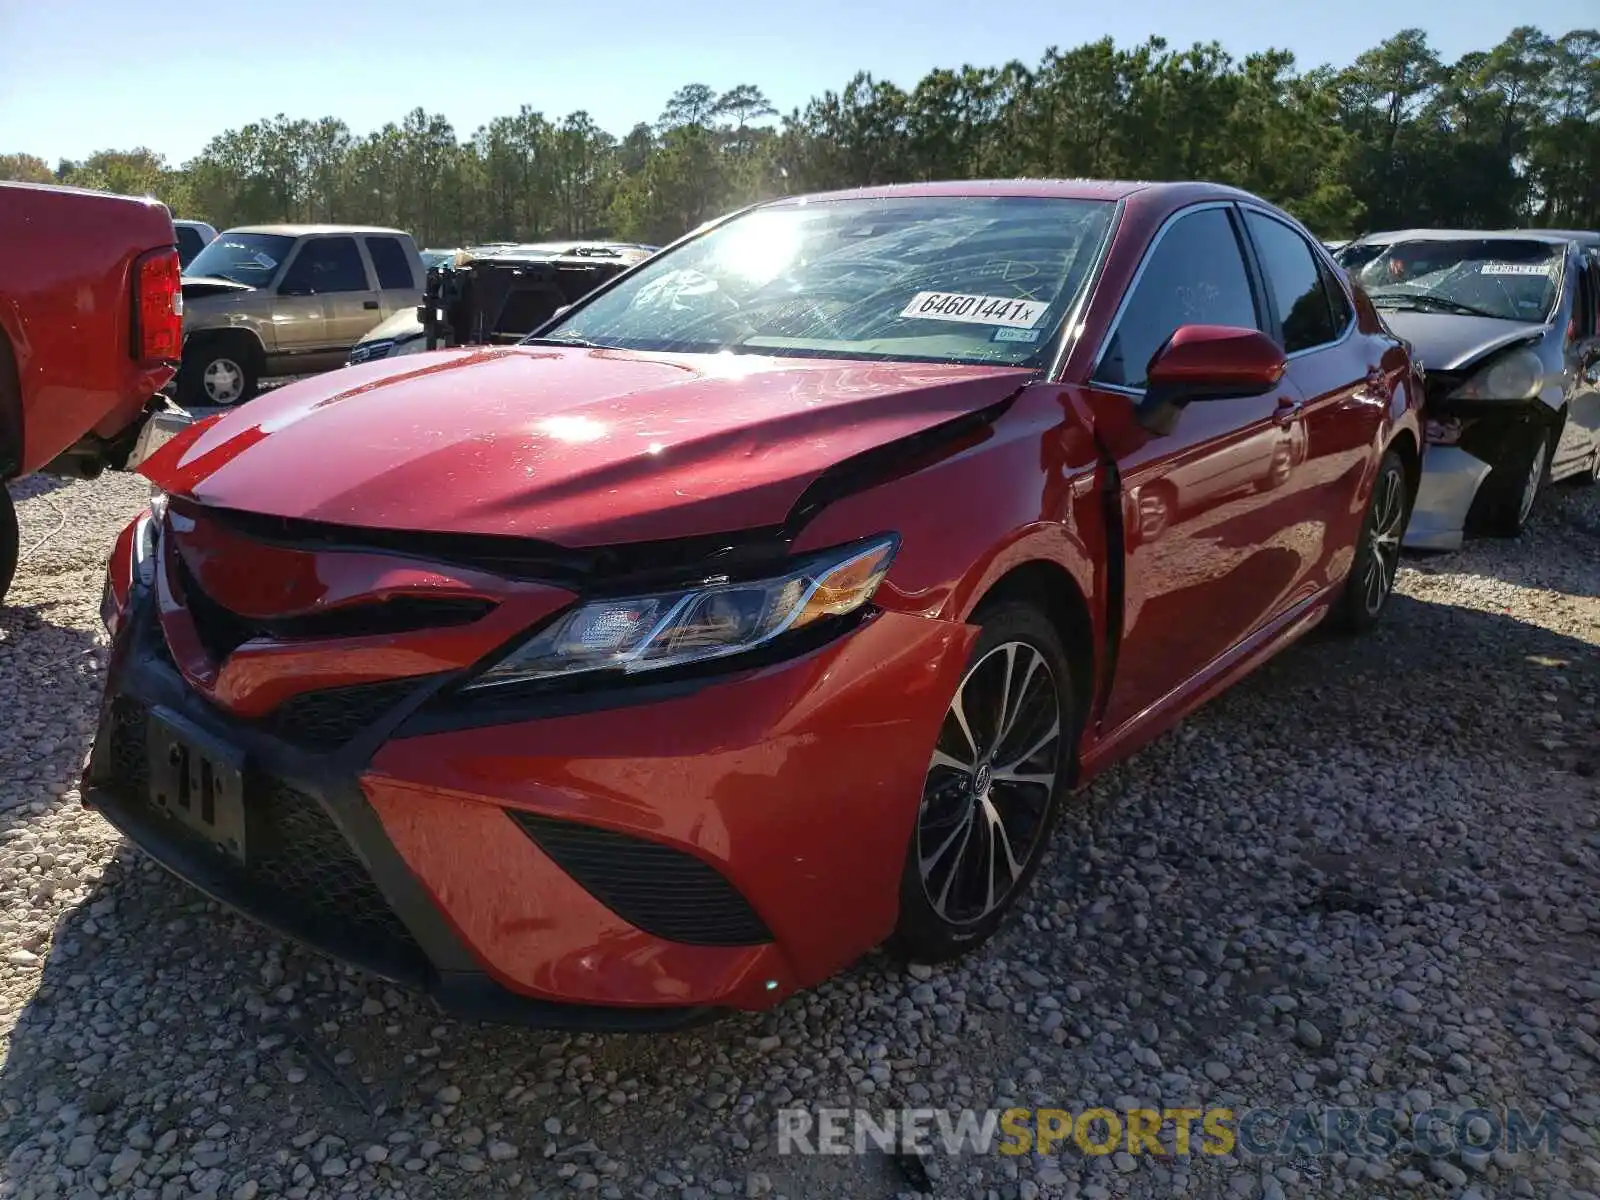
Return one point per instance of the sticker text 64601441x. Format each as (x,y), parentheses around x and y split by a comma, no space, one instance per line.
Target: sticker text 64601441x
(1500,268)
(975,310)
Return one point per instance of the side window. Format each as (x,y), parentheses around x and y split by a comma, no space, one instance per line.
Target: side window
(1298,295)
(1343,313)
(1194,276)
(1583,301)
(1594,291)
(389,260)
(326,265)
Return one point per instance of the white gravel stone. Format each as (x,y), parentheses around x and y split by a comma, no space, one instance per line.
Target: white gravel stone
(1361,875)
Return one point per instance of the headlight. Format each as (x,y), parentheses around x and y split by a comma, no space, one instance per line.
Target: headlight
(647,633)
(1515,375)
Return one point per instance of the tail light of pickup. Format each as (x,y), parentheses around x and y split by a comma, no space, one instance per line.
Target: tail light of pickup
(157,307)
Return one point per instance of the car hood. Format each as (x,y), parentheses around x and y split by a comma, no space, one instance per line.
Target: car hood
(397,325)
(572,446)
(1452,342)
(198,287)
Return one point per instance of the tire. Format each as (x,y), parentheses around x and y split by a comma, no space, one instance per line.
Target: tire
(945,913)
(218,372)
(1510,491)
(1376,562)
(10,540)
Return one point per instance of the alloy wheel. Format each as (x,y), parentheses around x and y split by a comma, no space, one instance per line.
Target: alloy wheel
(986,798)
(1383,540)
(224,381)
(1530,485)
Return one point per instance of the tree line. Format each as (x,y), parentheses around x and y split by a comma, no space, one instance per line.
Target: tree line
(1504,136)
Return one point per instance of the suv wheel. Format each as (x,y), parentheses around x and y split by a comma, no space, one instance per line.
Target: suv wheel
(220,374)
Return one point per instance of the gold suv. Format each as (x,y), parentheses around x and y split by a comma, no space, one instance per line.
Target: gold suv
(265,300)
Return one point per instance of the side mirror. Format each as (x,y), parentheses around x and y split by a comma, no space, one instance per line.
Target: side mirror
(560,312)
(1207,362)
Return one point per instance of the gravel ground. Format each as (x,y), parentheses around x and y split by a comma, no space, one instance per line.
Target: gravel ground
(1365,876)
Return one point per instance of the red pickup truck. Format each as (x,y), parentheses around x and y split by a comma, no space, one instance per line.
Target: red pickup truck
(91,328)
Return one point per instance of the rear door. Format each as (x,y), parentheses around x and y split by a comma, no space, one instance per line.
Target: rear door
(398,285)
(1208,555)
(1345,395)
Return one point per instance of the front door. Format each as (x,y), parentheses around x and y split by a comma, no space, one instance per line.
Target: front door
(1209,557)
(327,284)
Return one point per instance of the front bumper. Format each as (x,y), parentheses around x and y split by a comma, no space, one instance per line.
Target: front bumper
(597,869)
(1451,478)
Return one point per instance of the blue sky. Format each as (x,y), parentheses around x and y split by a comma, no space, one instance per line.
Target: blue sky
(82,75)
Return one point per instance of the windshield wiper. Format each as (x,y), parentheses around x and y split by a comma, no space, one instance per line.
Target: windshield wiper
(1426,301)
(575,343)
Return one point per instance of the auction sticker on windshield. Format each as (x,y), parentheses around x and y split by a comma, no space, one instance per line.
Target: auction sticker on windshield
(975,310)
(1494,268)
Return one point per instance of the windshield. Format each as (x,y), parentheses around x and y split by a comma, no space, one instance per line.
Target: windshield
(251,258)
(1513,280)
(968,279)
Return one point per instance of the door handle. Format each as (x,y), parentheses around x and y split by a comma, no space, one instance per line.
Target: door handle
(1286,412)
(369,304)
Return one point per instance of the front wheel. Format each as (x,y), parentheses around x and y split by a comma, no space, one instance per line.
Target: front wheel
(10,540)
(1512,487)
(218,374)
(992,789)
(1377,552)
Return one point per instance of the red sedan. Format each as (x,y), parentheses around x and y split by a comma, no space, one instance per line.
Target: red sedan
(765,607)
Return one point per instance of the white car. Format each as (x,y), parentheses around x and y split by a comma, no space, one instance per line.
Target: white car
(193,237)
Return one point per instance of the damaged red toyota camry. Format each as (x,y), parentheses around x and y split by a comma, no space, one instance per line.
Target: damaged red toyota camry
(764,607)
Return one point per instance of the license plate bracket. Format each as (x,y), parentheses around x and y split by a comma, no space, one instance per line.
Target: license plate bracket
(197,780)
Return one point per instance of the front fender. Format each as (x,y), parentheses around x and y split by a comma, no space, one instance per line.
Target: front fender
(1025,489)
(231,322)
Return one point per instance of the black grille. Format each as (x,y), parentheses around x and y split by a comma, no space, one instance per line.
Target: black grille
(660,890)
(222,631)
(219,630)
(300,872)
(328,719)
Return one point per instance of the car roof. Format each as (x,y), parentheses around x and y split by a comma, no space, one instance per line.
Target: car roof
(1547,236)
(193,224)
(1062,189)
(1587,237)
(303,230)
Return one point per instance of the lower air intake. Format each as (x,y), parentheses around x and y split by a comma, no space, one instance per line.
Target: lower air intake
(665,892)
